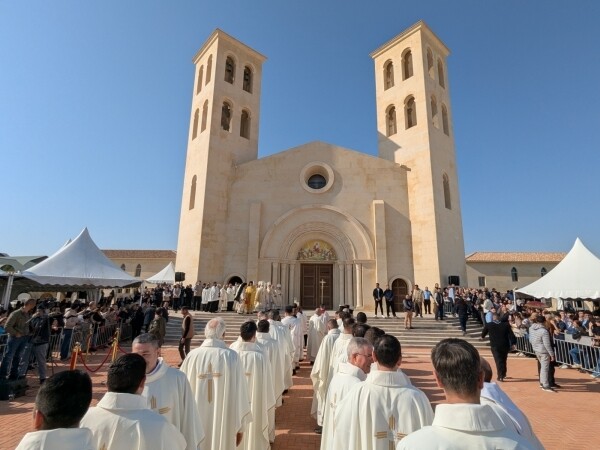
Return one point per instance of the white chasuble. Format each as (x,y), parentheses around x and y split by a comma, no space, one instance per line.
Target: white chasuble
(282,335)
(58,439)
(464,426)
(219,386)
(377,413)
(257,371)
(168,393)
(339,354)
(316,332)
(295,326)
(276,356)
(340,385)
(320,374)
(124,422)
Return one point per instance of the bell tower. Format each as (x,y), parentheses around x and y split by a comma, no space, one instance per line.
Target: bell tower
(223,133)
(414,124)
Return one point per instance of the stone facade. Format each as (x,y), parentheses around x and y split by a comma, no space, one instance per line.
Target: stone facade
(323,221)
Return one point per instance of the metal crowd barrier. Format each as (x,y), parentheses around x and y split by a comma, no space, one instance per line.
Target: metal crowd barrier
(568,350)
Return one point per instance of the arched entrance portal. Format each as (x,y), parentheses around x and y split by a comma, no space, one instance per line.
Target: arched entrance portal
(400,289)
(235,279)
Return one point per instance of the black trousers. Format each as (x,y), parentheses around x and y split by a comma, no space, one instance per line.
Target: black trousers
(184,348)
(427,306)
(500,357)
(197,303)
(389,306)
(380,304)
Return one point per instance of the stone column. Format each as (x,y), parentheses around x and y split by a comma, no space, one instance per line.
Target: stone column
(359,293)
(284,283)
(292,291)
(341,284)
(275,277)
(348,300)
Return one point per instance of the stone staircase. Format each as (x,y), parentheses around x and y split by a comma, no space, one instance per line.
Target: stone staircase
(426,332)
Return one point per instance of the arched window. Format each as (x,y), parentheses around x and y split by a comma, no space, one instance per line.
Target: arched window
(447,197)
(247,79)
(204,116)
(229,70)
(543,271)
(245,125)
(445,124)
(434,112)
(514,274)
(208,69)
(200,76)
(388,75)
(196,120)
(123,267)
(430,69)
(407,64)
(193,192)
(441,73)
(226,116)
(138,270)
(410,112)
(390,121)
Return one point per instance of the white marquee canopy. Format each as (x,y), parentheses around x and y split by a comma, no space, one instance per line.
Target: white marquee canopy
(80,264)
(576,276)
(167,275)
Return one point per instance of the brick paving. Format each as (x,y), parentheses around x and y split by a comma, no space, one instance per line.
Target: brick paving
(565,419)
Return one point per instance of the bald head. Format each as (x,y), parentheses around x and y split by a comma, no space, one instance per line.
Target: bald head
(215,328)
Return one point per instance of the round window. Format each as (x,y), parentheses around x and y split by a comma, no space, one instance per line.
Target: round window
(317,181)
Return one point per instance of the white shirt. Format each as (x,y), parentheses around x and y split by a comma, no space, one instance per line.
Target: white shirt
(464,426)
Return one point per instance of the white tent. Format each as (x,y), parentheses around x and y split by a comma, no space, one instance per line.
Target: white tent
(80,265)
(167,275)
(576,276)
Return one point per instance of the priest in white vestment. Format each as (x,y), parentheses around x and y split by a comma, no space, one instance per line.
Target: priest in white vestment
(60,404)
(317,329)
(282,334)
(380,411)
(295,326)
(360,355)
(122,420)
(491,394)
(219,386)
(168,392)
(257,369)
(319,374)
(462,422)
(340,353)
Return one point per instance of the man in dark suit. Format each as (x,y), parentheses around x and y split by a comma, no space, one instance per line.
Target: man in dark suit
(378,297)
(502,340)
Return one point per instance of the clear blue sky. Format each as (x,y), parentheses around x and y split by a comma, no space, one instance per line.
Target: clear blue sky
(95,105)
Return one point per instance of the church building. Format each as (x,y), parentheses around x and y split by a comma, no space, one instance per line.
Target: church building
(324,221)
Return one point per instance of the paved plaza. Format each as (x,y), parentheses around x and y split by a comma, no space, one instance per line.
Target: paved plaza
(566,419)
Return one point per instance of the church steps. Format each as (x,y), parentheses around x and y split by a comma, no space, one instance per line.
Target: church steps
(426,332)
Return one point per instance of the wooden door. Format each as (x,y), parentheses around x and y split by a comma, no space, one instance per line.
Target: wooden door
(316,285)
(400,289)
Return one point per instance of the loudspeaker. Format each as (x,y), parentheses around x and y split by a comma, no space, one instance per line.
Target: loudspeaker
(454,279)
(179,276)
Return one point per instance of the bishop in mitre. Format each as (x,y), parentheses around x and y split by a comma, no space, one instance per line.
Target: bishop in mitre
(257,368)
(122,420)
(220,389)
(394,408)
(360,355)
(168,392)
(317,329)
(319,374)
